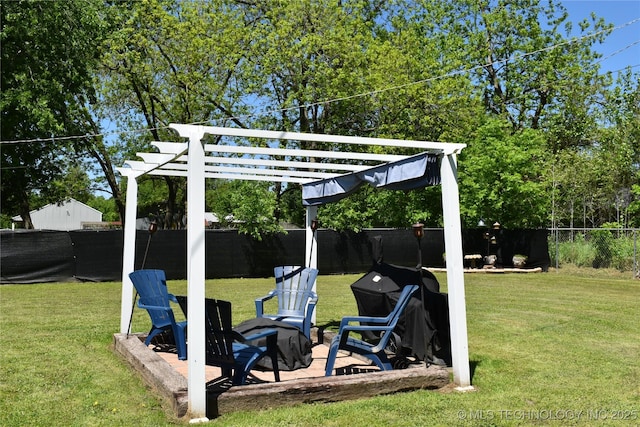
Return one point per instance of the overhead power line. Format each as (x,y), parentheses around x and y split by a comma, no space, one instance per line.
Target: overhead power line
(364,94)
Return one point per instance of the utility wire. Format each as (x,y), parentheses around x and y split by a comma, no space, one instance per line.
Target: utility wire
(364,94)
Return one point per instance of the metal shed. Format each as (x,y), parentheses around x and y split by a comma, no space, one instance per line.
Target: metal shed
(65,216)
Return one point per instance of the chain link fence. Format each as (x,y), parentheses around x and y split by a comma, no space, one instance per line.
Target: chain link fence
(598,248)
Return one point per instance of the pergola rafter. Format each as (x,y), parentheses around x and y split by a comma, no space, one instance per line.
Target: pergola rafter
(326,175)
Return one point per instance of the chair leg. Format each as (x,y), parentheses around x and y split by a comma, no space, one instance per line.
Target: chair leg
(331,357)
(306,330)
(152,333)
(181,343)
(381,360)
(227,372)
(239,376)
(272,350)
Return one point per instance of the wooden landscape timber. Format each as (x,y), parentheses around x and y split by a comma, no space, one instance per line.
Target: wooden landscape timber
(222,399)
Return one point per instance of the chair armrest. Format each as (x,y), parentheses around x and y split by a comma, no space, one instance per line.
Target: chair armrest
(268,296)
(358,328)
(346,320)
(154,307)
(260,302)
(313,300)
(343,334)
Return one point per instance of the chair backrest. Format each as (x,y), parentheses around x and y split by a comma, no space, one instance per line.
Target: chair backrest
(294,287)
(403,300)
(218,329)
(219,332)
(392,318)
(152,289)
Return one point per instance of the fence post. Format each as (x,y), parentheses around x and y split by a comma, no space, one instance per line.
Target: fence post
(557,251)
(636,273)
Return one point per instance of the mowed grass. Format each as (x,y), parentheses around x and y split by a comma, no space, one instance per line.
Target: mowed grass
(545,349)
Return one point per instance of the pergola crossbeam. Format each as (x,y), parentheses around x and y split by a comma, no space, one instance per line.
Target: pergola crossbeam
(287,164)
(158,158)
(447,148)
(309,175)
(231,176)
(300,153)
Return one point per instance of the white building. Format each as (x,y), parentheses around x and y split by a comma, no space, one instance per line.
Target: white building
(68,215)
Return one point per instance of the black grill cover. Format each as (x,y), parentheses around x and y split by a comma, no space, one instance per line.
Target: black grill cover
(294,348)
(424,325)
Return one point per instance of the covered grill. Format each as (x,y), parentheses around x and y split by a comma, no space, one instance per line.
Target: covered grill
(423,328)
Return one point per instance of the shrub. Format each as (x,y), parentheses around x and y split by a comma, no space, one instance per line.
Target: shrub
(579,252)
(603,241)
(622,251)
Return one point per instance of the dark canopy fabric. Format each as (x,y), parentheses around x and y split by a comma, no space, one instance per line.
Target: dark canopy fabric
(413,172)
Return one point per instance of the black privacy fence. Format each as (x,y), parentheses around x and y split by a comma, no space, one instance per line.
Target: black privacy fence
(36,256)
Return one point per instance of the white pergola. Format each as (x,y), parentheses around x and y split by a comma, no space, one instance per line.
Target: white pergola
(323,175)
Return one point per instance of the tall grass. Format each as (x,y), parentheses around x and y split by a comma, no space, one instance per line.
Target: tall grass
(601,248)
(578,252)
(545,349)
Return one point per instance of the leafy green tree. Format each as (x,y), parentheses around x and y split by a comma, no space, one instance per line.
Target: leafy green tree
(352,213)
(105,205)
(572,181)
(305,54)
(594,185)
(172,62)
(525,69)
(523,66)
(46,89)
(106,156)
(619,142)
(371,208)
(254,209)
(502,76)
(368,64)
(5,221)
(501,177)
(249,206)
(74,184)
(634,207)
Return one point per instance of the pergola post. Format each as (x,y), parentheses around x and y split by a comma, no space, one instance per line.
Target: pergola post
(196,277)
(129,249)
(455,272)
(311,247)
(311,241)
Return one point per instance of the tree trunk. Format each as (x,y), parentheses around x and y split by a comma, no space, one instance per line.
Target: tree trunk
(25,211)
(98,151)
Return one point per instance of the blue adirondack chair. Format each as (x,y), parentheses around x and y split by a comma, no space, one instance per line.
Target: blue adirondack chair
(151,285)
(384,325)
(229,349)
(296,299)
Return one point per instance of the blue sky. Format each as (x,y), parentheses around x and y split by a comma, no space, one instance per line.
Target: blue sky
(617,12)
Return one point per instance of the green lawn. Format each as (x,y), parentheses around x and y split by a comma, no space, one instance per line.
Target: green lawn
(546,349)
